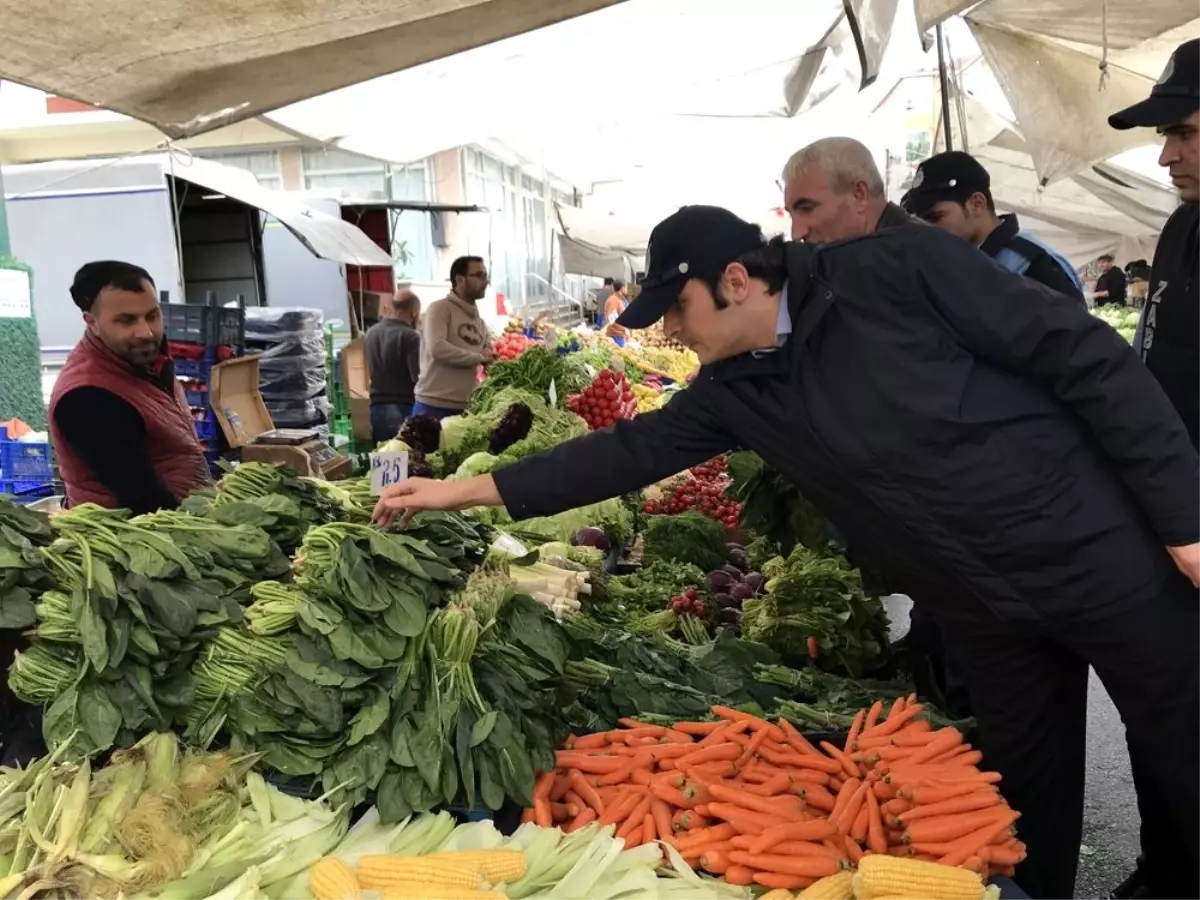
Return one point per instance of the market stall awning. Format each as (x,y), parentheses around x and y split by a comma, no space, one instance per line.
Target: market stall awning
(193,65)
(1065,65)
(328,237)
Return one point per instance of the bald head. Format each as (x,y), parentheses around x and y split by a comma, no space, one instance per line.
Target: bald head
(406,306)
(833,190)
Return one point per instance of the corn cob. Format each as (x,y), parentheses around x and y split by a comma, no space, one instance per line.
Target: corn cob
(332,879)
(831,887)
(497,866)
(777,894)
(881,876)
(383,870)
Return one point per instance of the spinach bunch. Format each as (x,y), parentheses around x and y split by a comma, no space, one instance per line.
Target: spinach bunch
(135,601)
(23,573)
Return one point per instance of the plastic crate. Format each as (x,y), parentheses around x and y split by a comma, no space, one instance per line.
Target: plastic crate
(24,465)
(26,491)
(197,369)
(208,429)
(209,324)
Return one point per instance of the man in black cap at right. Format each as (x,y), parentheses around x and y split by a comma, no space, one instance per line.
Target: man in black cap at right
(1168,337)
(953,191)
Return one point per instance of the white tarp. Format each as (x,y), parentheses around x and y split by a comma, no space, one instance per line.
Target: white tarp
(189,66)
(1065,65)
(632,62)
(328,237)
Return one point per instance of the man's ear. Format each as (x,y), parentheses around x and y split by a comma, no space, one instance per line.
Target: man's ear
(735,282)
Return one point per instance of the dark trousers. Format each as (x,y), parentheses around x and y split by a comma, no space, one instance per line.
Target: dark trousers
(438,412)
(1029,691)
(386,419)
(936,671)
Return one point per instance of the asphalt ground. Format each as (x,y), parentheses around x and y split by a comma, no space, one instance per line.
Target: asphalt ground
(1110,817)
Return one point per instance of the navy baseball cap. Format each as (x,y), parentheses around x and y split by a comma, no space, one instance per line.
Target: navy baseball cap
(695,242)
(953,175)
(1173,99)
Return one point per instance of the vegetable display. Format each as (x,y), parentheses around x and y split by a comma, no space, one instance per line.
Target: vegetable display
(756,803)
(689,538)
(1123,319)
(814,608)
(155,822)
(607,400)
(702,489)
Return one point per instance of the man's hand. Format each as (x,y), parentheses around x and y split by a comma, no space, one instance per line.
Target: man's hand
(487,354)
(415,494)
(1187,558)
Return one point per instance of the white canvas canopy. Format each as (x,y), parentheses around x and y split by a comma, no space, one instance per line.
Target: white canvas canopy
(1065,65)
(1103,208)
(188,66)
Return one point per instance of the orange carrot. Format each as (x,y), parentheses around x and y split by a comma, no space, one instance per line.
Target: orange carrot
(543,785)
(662,819)
(944,739)
(715,860)
(775,784)
(873,715)
(743,799)
(640,776)
(733,812)
(808,848)
(782,882)
(760,738)
(712,753)
(791,757)
(688,819)
(883,791)
(1001,855)
(876,839)
(855,729)
(724,733)
(807,866)
(858,830)
(598,765)
(617,776)
(897,720)
(843,797)
(669,794)
(816,796)
(951,828)
(897,707)
(845,820)
(541,812)
(983,834)
(964,803)
(586,791)
(527,815)
(853,850)
(637,816)
(739,875)
(734,715)
(796,739)
(649,829)
(896,807)
(675,736)
(700,836)
(619,811)
(814,830)
(586,817)
(590,741)
(698,729)
(846,763)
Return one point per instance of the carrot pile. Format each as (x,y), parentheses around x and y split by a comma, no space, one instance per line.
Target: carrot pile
(755,803)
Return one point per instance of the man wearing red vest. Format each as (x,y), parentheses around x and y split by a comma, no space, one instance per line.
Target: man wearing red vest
(119,421)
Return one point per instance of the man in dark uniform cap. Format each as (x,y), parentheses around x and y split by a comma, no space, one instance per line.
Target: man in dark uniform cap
(954,191)
(1168,336)
(999,445)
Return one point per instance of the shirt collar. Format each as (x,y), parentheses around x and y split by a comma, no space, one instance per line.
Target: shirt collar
(783,325)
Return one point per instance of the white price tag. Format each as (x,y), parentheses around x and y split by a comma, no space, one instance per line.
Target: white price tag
(387,468)
(553,394)
(16,298)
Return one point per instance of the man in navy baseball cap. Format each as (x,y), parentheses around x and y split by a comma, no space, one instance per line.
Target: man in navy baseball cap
(694,242)
(1173,99)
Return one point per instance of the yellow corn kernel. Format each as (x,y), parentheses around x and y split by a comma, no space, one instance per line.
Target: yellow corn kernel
(777,894)
(831,887)
(411,890)
(497,866)
(332,879)
(379,871)
(881,876)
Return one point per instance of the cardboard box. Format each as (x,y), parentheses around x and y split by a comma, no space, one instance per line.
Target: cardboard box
(356,382)
(243,417)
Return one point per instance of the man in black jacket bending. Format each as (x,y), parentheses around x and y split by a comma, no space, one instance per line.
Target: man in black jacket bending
(1168,335)
(980,435)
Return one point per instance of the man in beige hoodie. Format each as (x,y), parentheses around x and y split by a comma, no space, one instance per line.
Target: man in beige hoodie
(454,342)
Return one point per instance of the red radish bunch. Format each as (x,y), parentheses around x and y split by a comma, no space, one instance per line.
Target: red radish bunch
(608,399)
(510,345)
(701,490)
(689,604)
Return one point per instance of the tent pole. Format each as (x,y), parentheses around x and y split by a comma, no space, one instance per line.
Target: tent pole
(944,85)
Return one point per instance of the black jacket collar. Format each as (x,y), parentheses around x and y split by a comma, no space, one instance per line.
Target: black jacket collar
(1001,236)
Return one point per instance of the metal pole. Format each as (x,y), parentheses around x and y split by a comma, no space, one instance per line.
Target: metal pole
(944,85)
(5,245)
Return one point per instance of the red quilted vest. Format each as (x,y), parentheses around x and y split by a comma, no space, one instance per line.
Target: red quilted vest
(170,434)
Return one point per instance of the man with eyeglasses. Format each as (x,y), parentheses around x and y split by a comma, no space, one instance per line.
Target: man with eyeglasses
(454,342)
